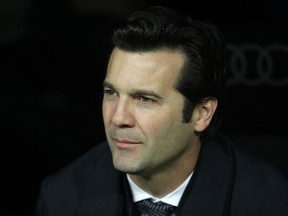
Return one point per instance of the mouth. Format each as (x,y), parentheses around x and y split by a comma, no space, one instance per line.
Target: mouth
(124,144)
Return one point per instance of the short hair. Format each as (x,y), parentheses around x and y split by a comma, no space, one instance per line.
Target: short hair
(203,75)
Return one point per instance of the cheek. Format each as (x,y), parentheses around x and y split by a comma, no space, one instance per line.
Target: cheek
(160,125)
(106,113)
(168,117)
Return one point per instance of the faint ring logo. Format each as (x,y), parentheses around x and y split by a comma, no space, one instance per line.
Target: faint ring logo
(254,65)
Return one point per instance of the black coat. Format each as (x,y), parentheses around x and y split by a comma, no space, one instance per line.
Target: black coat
(226,181)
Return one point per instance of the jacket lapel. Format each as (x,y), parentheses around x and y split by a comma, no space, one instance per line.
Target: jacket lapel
(210,185)
(103,193)
(115,202)
(107,206)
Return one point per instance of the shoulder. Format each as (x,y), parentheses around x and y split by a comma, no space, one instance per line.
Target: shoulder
(76,187)
(247,164)
(94,158)
(94,165)
(258,183)
(252,167)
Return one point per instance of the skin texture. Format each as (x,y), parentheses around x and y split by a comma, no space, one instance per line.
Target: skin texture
(143,120)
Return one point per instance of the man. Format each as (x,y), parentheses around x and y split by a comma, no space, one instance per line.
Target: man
(163,95)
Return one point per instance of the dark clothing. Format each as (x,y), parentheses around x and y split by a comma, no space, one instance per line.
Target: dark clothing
(226,181)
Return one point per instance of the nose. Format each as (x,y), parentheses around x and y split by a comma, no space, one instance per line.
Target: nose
(123,114)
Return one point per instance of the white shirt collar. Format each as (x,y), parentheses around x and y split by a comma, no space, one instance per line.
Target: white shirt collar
(172,198)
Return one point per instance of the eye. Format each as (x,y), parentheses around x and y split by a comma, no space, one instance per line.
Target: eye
(145,100)
(109,93)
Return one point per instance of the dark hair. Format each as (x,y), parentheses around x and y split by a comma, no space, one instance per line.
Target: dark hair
(203,75)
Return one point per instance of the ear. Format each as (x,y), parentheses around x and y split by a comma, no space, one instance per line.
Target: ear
(203,113)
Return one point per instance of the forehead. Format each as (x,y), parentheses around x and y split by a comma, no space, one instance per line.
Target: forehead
(144,68)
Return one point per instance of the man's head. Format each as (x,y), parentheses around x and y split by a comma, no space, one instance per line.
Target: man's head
(161,91)
(203,76)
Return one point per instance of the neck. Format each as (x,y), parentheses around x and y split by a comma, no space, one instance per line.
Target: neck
(162,183)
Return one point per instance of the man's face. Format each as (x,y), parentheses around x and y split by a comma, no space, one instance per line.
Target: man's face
(142,113)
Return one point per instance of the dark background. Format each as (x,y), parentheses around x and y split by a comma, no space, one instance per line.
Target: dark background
(52,58)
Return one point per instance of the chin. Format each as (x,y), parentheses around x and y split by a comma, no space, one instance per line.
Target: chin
(126,168)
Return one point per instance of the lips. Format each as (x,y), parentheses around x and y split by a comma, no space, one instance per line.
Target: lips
(124,143)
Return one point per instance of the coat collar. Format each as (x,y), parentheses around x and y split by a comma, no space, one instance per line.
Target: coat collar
(103,191)
(210,189)
(208,192)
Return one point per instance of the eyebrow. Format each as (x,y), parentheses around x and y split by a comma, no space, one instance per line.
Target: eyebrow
(134,92)
(107,84)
